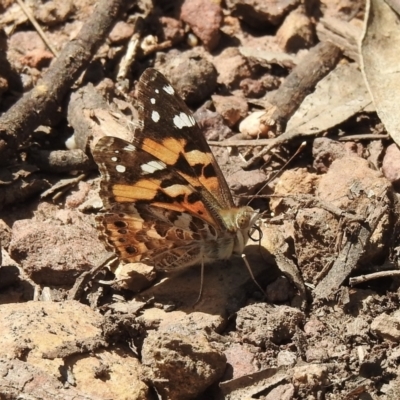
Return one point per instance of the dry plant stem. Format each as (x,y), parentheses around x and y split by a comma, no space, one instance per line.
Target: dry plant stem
(65,185)
(252,275)
(75,347)
(366,136)
(344,34)
(285,138)
(37,27)
(394,4)
(241,143)
(201,285)
(376,275)
(38,105)
(309,201)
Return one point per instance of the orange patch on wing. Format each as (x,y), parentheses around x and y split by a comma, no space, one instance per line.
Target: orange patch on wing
(170,206)
(194,181)
(212,184)
(167,151)
(192,208)
(198,157)
(145,189)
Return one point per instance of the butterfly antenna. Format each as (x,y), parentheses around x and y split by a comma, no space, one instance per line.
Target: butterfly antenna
(252,275)
(301,147)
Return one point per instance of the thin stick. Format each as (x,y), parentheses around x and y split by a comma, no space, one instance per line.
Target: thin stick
(37,27)
(364,278)
(280,170)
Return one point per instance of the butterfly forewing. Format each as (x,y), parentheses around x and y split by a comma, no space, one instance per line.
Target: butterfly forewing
(172,135)
(133,176)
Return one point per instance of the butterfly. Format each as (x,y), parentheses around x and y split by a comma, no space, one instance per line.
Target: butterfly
(165,200)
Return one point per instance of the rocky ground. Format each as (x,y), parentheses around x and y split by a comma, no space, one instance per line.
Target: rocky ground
(297,100)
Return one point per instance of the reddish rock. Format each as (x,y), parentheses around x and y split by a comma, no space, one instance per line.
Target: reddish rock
(259,13)
(171,29)
(391,165)
(121,32)
(296,32)
(37,58)
(43,248)
(232,67)
(232,108)
(241,360)
(190,73)
(181,363)
(205,18)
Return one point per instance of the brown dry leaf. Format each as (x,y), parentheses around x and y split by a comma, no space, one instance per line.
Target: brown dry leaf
(337,97)
(380,63)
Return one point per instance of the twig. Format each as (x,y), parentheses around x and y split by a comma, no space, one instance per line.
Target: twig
(241,143)
(376,275)
(37,27)
(300,82)
(57,190)
(366,136)
(42,101)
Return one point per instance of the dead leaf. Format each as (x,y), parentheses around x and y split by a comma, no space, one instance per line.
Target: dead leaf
(380,63)
(337,97)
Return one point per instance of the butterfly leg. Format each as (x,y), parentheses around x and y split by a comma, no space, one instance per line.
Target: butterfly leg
(252,275)
(201,283)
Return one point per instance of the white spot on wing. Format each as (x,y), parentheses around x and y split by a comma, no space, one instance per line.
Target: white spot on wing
(183,119)
(157,91)
(176,190)
(169,89)
(120,168)
(114,159)
(153,166)
(155,116)
(130,147)
(153,100)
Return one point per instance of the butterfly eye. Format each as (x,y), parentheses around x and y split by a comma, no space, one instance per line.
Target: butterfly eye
(243,220)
